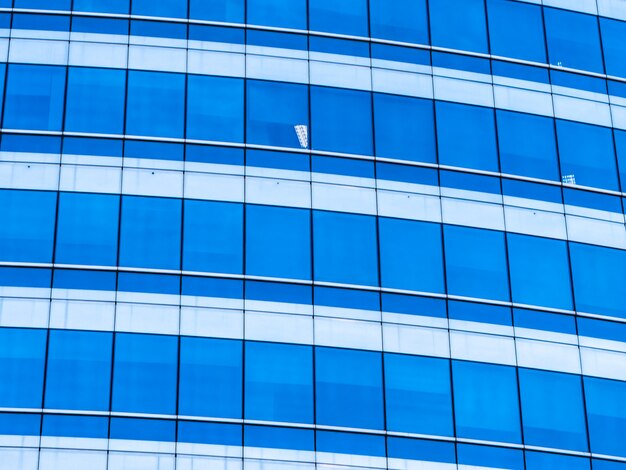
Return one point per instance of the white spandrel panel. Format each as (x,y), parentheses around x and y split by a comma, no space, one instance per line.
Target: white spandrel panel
(18,459)
(93,54)
(61,459)
(38,51)
(136,461)
(278,327)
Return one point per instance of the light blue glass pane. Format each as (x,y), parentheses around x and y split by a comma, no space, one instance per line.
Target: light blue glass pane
(540,272)
(210,377)
(552,410)
(526,40)
(150,232)
(87,229)
(103,6)
(215,108)
(213,237)
(486,402)
(405,128)
(79,370)
(466,136)
(95,100)
(27,229)
(34,97)
(459,24)
(573,40)
(143,365)
(341,120)
(290,108)
(156,104)
(606,415)
(418,395)
(521,155)
(278,242)
(476,263)
(614,46)
(339,16)
(576,142)
(345,248)
(349,388)
(22,357)
(291,14)
(230,11)
(168,8)
(399,20)
(279,382)
(411,255)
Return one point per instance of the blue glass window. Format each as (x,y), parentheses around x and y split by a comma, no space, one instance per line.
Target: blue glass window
(417,395)
(215,108)
(279,382)
(210,377)
(44,4)
(613,34)
(291,14)
(345,248)
(145,364)
(577,141)
(150,232)
(349,388)
(230,11)
(27,229)
(476,263)
(620,146)
(79,370)
(87,229)
(213,237)
(545,461)
(22,357)
(459,24)
(167,8)
(405,128)
(552,410)
(540,272)
(606,415)
(75,426)
(156,104)
(486,402)
(34,97)
(520,155)
(579,50)
(102,6)
(95,100)
(526,40)
(341,120)
(342,16)
(466,136)
(278,242)
(399,20)
(411,255)
(489,457)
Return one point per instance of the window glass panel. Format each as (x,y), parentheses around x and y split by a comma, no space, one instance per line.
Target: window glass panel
(520,155)
(573,40)
(614,46)
(476,263)
(103,6)
(339,16)
(540,272)
(87,229)
(544,461)
(486,402)
(417,395)
(34,97)
(213,237)
(577,142)
(230,11)
(215,108)
(341,120)
(620,146)
(606,415)
(279,382)
(411,255)
(345,248)
(459,24)
(27,229)
(526,40)
(79,370)
(168,8)
(349,388)
(290,108)
(278,242)
(399,20)
(156,104)
(145,364)
(44,4)
(22,356)
(552,410)
(466,136)
(210,377)
(405,128)
(482,456)
(291,14)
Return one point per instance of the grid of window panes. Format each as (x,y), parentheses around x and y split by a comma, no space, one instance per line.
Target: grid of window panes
(347,234)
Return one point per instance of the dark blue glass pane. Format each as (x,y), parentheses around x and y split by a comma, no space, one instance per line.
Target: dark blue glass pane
(343,16)
(614,46)
(606,415)
(168,8)
(544,461)
(75,426)
(230,11)
(399,20)
(459,24)
(103,6)
(291,14)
